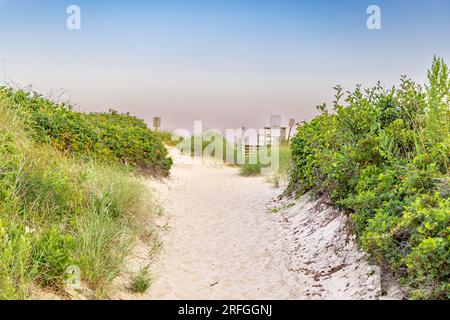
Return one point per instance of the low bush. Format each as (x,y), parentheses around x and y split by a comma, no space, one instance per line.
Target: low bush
(284,164)
(250,170)
(59,210)
(383,156)
(110,137)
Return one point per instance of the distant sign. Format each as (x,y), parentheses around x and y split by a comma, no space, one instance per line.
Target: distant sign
(275,121)
(156,122)
(291,122)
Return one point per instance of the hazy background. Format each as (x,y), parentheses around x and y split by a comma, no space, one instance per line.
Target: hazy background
(229,63)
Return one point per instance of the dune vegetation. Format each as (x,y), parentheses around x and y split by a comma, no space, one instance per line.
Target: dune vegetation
(383,156)
(110,137)
(70,193)
(249,169)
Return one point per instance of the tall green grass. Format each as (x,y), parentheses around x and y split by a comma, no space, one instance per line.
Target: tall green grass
(57,210)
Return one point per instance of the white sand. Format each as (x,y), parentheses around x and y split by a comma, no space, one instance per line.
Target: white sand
(223,243)
(317,245)
(220,244)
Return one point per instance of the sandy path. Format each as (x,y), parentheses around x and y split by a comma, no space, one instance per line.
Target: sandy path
(221,243)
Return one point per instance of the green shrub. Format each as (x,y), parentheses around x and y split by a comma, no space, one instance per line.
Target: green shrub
(285,160)
(167,138)
(383,156)
(110,137)
(58,210)
(51,256)
(207,146)
(249,170)
(15,252)
(284,165)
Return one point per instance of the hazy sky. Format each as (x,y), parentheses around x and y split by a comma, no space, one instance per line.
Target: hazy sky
(230,63)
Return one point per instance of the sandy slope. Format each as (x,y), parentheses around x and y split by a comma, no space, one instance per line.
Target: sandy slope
(317,245)
(224,243)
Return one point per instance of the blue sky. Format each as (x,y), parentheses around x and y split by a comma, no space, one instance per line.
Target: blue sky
(229,63)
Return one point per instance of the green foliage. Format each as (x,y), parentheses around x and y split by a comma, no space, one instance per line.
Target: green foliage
(214,145)
(384,157)
(140,282)
(232,154)
(285,160)
(167,138)
(15,252)
(284,165)
(110,137)
(250,170)
(58,210)
(51,256)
